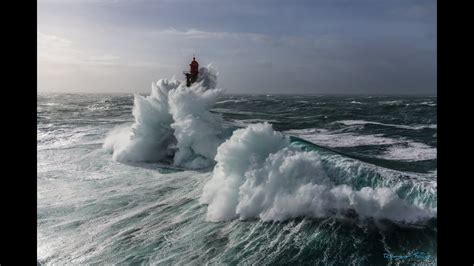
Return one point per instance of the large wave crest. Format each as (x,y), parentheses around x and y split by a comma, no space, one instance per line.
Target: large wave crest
(259,175)
(172,123)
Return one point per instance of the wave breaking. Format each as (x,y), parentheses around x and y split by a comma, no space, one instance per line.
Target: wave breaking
(259,175)
(172,124)
(257,172)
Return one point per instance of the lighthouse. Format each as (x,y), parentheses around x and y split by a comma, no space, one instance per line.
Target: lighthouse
(192,75)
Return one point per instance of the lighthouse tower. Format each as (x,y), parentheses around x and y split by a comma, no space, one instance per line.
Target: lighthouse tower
(192,76)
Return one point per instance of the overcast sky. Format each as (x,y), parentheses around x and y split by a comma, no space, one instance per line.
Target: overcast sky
(257,46)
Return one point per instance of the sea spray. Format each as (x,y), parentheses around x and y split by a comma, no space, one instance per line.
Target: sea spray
(172,122)
(150,137)
(196,130)
(259,175)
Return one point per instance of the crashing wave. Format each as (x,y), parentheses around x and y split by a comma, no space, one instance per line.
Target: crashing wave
(173,124)
(260,175)
(259,172)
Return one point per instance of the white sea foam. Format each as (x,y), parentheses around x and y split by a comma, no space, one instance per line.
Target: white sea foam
(231,101)
(259,175)
(391,102)
(362,122)
(246,122)
(195,128)
(428,103)
(173,120)
(149,137)
(231,111)
(412,151)
(337,140)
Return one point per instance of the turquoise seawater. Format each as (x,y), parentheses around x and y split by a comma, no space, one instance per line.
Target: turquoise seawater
(94,210)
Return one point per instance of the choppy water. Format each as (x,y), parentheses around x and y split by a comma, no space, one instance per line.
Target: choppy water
(92,209)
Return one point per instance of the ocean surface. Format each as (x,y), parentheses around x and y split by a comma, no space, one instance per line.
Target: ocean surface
(216,178)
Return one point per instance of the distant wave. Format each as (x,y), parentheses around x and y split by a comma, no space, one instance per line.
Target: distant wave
(335,140)
(362,122)
(231,101)
(400,149)
(230,111)
(428,103)
(246,122)
(395,102)
(412,151)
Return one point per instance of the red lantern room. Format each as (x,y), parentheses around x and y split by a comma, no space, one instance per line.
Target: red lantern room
(194,67)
